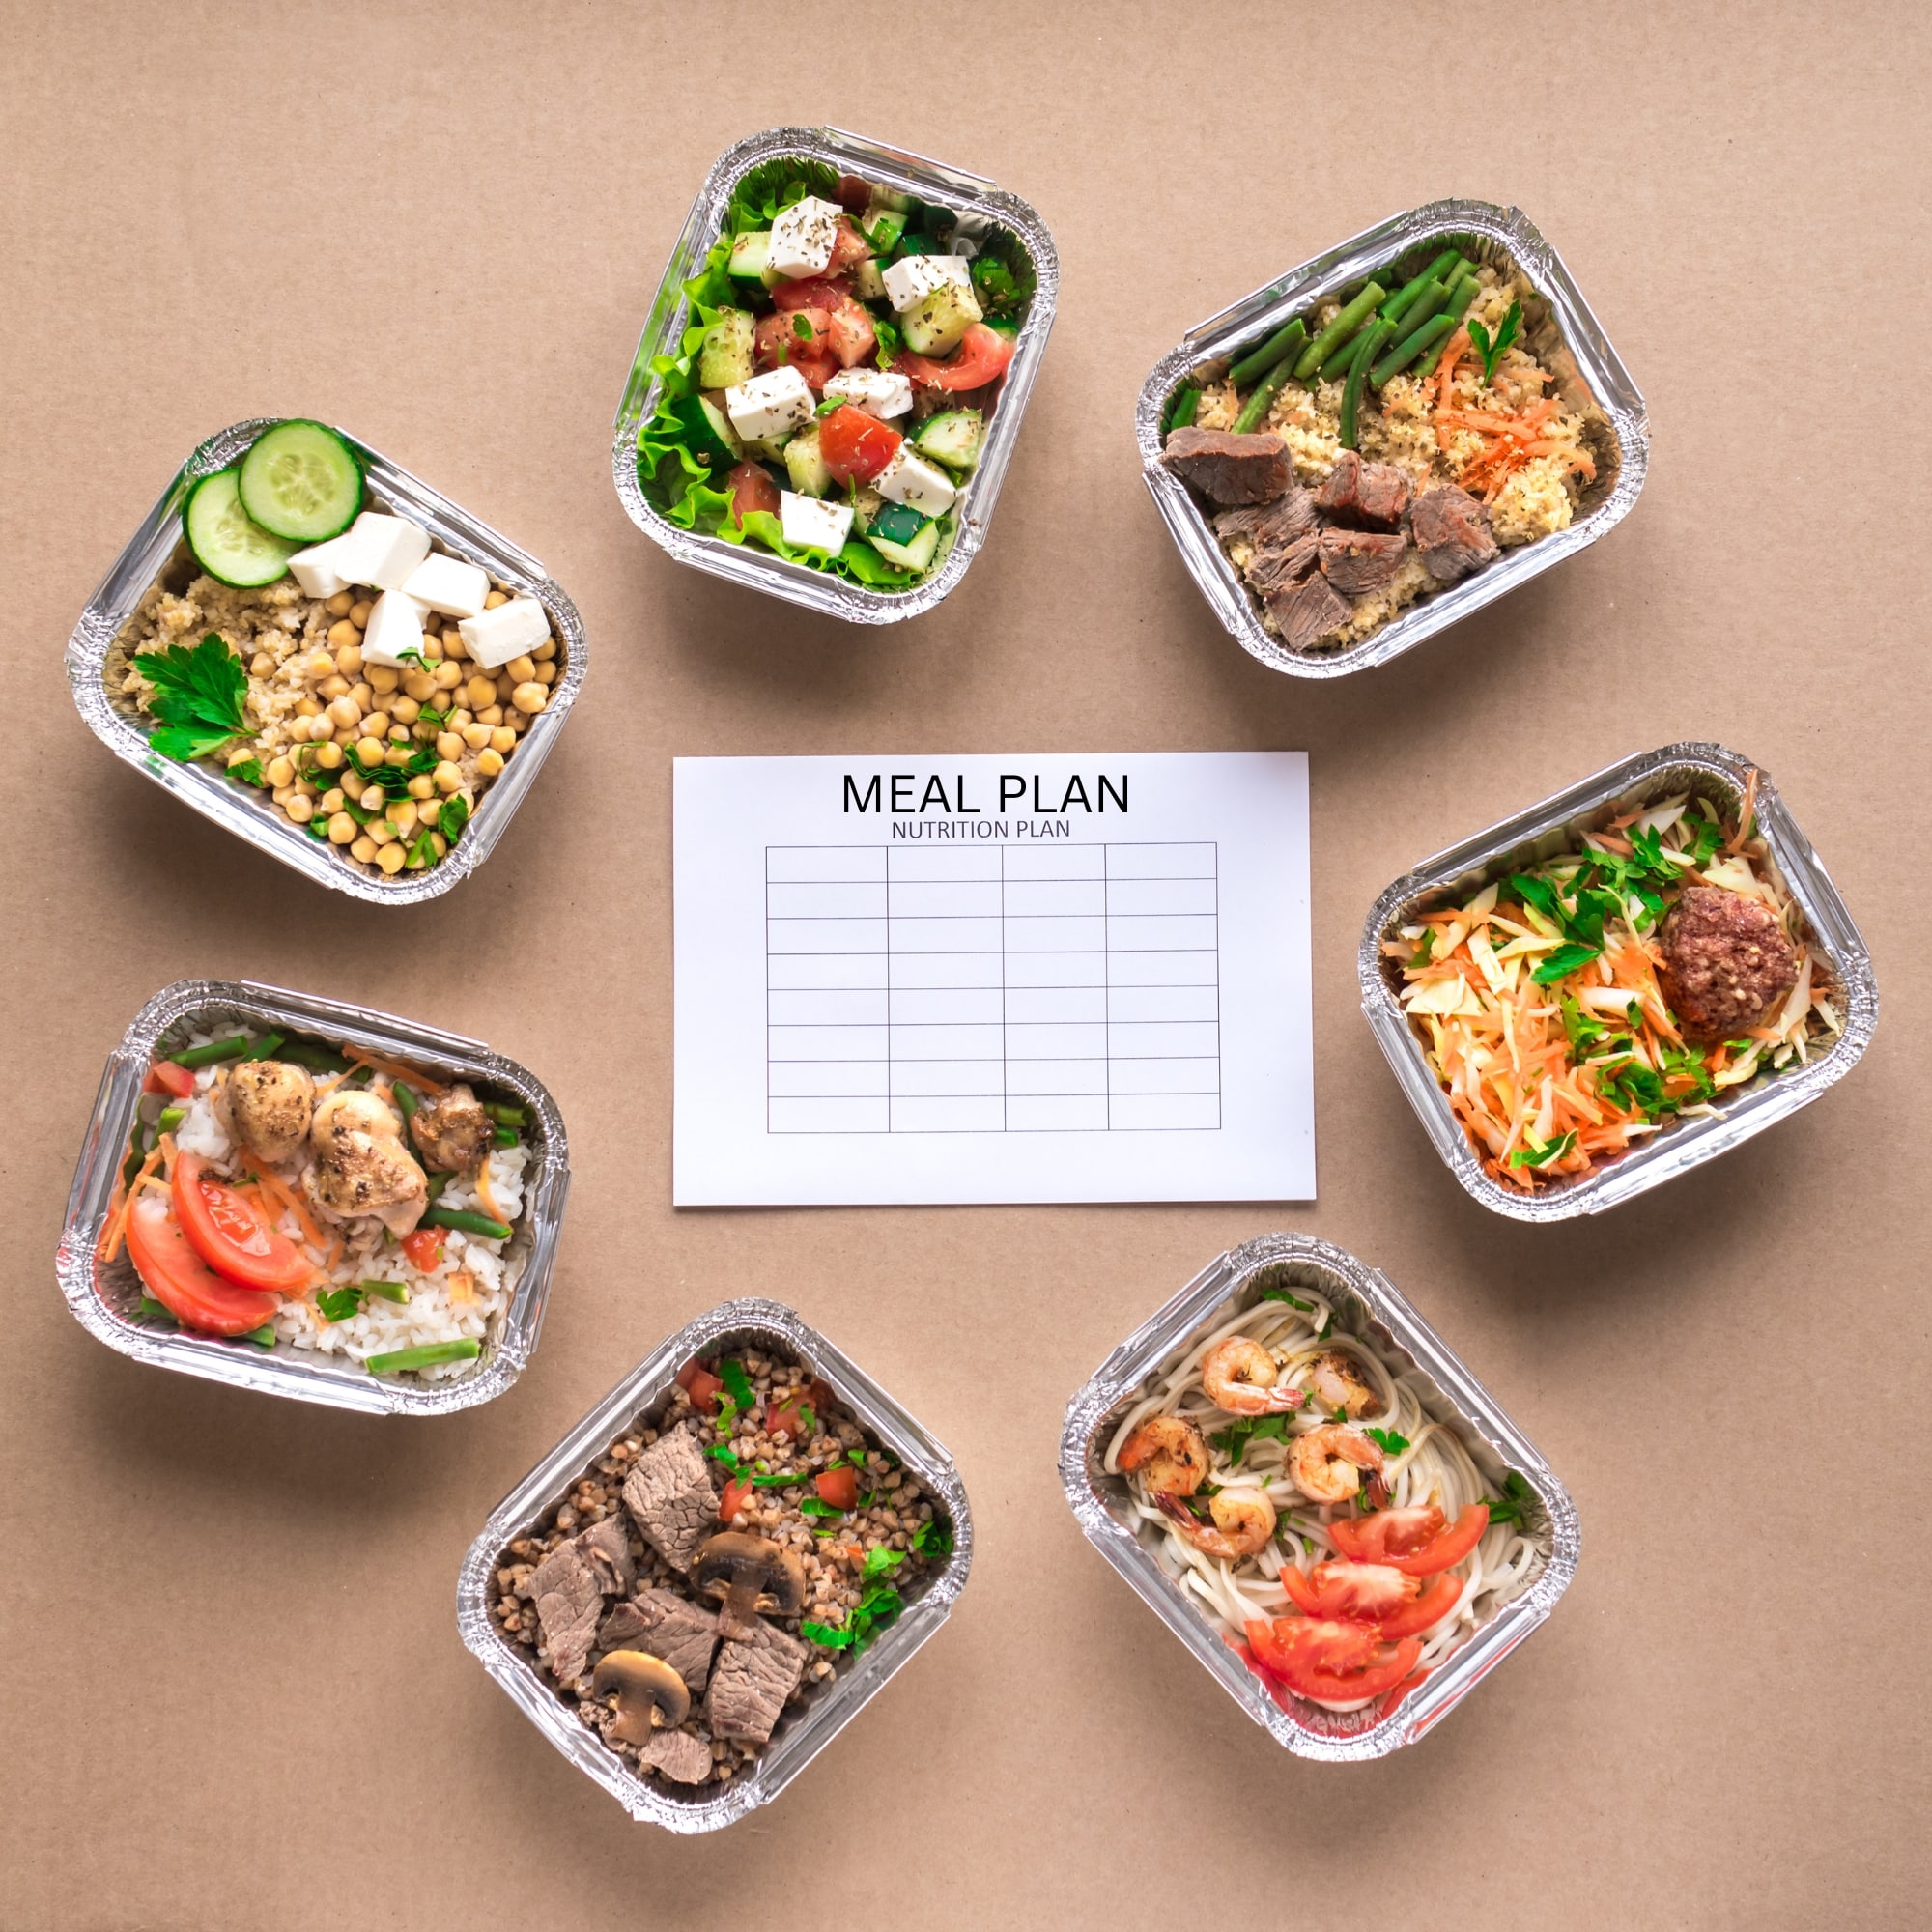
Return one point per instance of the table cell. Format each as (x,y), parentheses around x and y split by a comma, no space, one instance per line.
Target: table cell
(958,1115)
(828,863)
(1054,1003)
(946,935)
(1128,896)
(1163,969)
(825,935)
(828,1117)
(1056,897)
(937,971)
(941,862)
(947,1006)
(826,1080)
(825,1043)
(1137,1113)
(842,1007)
(785,971)
(826,901)
(948,1042)
(1163,1003)
(1164,1076)
(1156,860)
(1171,934)
(1163,1041)
(1054,969)
(1055,862)
(1056,1076)
(1057,1113)
(1037,934)
(944,899)
(1056,1042)
(948,1078)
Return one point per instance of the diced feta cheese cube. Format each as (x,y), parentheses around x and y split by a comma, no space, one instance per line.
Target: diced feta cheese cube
(769,405)
(448,587)
(913,277)
(812,524)
(395,627)
(318,568)
(910,480)
(803,238)
(511,629)
(386,550)
(879,392)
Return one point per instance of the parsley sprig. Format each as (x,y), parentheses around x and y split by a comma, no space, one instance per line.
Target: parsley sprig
(1390,1442)
(199,690)
(1517,1498)
(1492,352)
(1232,1441)
(878,1606)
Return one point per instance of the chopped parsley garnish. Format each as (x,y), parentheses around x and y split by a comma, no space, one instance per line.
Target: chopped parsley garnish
(1565,960)
(1282,1294)
(781,1480)
(455,815)
(1492,352)
(1424,947)
(800,327)
(1327,1329)
(339,1304)
(737,1384)
(818,1506)
(727,1457)
(1515,1498)
(1388,1440)
(994,284)
(808,1419)
(199,691)
(1704,849)
(1234,1440)
(831,403)
(249,771)
(878,1606)
(933,1539)
(879,1561)
(1529,1154)
(890,340)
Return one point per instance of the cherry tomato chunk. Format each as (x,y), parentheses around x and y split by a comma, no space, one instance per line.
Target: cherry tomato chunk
(423,1250)
(700,1384)
(838,1487)
(736,1492)
(751,488)
(855,446)
(166,1078)
(980,359)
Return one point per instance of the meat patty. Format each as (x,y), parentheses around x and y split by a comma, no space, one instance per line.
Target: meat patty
(1372,496)
(1452,532)
(1306,613)
(1358,562)
(1226,468)
(1727,963)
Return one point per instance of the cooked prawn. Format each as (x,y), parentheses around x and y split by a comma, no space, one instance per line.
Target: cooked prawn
(1243,1522)
(1335,1380)
(1168,1453)
(1323,1464)
(1240,1375)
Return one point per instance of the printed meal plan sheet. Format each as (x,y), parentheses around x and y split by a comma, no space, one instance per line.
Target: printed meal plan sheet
(938,979)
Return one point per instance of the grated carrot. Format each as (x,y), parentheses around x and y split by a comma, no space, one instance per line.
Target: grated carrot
(1746,813)
(282,1193)
(462,1285)
(483,1194)
(395,1069)
(117,1220)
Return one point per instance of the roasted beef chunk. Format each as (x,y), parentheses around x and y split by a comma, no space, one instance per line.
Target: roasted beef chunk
(670,1496)
(1358,562)
(1229,468)
(668,1626)
(569,1587)
(754,1678)
(1282,536)
(1451,529)
(1306,613)
(678,1757)
(1727,963)
(1369,495)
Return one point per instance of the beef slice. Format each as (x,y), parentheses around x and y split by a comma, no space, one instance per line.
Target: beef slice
(1452,532)
(668,1626)
(1370,495)
(678,1757)
(671,1498)
(1306,613)
(1358,562)
(753,1677)
(1229,468)
(568,1588)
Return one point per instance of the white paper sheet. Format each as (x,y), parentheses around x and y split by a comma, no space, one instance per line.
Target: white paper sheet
(981,979)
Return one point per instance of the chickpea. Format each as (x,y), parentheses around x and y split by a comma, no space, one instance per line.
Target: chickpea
(519,670)
(503,740)
(446,777)
(458,718)
(281,794)
(453,645)
(349,657)
(377,724)
(479,692)
(331,801)
(506,683)
(306,785)
(448,675)
(369,751)
(477,736)
(328,754)
(546,675)
(491,714)
(260,664)
(420,684)
(421,786)
(344,635)
(405,710)
(332,686)
(495,598)
(402,814)
(392,858)
(383,678)
(399,734)
(363,694)
(448,746)
(339,604)
(344,712)
(490,761)
(530,697)
(431,649)
(545,649)
(318,663)
(280,772)
(298,809)
(371,799)
(309,707)
(364,848)
(297,730)
(439,845)
(379,831)
(358,613)
(515,720)
(397,755)
(341,829)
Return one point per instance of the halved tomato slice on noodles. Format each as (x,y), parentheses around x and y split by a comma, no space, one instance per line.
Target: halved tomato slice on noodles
(1332,1662)
(227,1231)
(1412,1539)
(182,1282)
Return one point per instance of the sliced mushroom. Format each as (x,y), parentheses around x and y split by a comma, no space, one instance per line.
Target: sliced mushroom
(650,1694)
(749,1573)
(267,1103)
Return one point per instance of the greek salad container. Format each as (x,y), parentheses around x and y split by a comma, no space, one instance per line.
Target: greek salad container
(802,1733)
(1367,1306)
(1707,770)
(158,552)
(986,220)
(1557,326)
(106,1298)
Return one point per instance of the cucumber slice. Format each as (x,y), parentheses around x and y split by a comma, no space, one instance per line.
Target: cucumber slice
(914,556)
(724,357)
(953,437)
(934,325)
(301,481)
(750,252)
(806,464)
(868,284)
(226,543)
(897,523)
(882,227)
(707,431)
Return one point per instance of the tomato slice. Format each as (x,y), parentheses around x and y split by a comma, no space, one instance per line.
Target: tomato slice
(1387,1534)
(700,1384)
(853,192)
(182,1282)
(1390,1600)
(852,338)
(849,249)
(1427,1611)
(736,1491)
(838,1487)
(751,488)
(166,1078)
(1332,1662)
(980,359)
(824,291)
(223,1228)
(855,446)
(423,1249)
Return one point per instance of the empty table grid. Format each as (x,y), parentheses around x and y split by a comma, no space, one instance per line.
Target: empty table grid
(991,989)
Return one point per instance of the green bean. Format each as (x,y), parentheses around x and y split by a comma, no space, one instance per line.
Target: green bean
(263,1337)
(137,1152)
(506,1117)
(263,1048)
(1358,374)
(406,1100)
(320,1058)
(506,1136)
(171,1119)
(1409,347)
(1254,411)
(437,1183)
(1339,331)
(150,1310)
(1456,307)
(387,1290)
(216,1049)
(1184,405)
(426,1356)
(1438,271)
(465,1222)
(1423,307)
(1285,342)
(1337,365)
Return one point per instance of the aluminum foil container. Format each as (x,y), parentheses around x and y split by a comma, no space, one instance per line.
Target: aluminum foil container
(1710,770)
(1557,326)
(158,546)
(1366,1305)
(803,1731)
(103,1298)
(982,209)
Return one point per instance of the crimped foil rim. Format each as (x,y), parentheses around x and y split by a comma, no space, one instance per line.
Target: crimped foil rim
(299,1374)
(202,790)
(804,1737)
(1743,1111)
(664,319)
(1126,1367)
(1601,367)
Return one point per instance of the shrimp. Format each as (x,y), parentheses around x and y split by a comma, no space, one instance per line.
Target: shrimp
(1243,1522)
(1323,1464)
(1335,1381)
(1169,1455)
(1240,1375)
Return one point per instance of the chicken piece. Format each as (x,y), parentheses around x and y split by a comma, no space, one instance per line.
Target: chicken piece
(361,1166)
(452,1131)
(265,1105)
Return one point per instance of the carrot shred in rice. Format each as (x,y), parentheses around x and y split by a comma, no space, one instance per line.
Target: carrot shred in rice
(116,1228)
(487,1200)
(280,1192)
(461,1287)
(395,1069)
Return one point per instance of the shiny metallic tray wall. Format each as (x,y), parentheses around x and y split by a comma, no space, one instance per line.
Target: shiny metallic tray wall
(1368,1305)
(103,1298)
(1540,833)
(1558,325)
(802,1733)
(978,202)
(156,548)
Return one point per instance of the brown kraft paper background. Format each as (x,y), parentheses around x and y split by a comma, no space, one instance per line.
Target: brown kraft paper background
(231,1690)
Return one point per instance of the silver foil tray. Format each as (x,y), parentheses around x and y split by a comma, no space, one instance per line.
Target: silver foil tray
(802,1732)
(158,545)
(1541,831)
(973,200)
(103,1298)
(1365,1304)
(1558,325)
